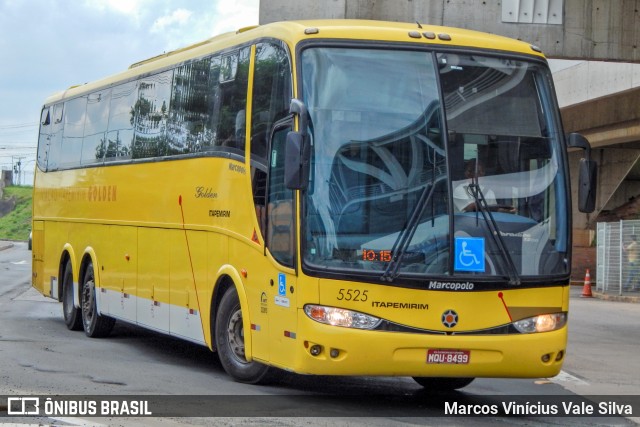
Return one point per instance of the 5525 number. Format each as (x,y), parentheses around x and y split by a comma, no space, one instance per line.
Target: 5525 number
(352,295)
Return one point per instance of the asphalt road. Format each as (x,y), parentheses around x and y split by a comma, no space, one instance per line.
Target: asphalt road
(39,356)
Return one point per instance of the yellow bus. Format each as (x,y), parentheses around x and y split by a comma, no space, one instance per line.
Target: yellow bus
(324,197)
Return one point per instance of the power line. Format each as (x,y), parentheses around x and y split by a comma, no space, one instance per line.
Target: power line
(18,126)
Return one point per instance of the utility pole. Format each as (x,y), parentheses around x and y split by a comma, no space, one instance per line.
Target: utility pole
(17,168)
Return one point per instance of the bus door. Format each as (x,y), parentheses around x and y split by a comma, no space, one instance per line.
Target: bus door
(281,242)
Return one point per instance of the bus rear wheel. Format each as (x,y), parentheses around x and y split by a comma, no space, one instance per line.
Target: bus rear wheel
(442,383)
(72,315)
(229,338)
(95,325)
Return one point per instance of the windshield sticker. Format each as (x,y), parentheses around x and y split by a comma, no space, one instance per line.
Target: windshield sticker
(469,254)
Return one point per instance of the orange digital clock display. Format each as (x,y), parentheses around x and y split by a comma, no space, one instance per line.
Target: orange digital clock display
(376,255)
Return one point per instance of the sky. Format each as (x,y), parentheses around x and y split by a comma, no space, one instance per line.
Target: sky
(48,45)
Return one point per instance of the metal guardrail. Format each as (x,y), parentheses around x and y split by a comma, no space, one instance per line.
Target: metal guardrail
(618,257)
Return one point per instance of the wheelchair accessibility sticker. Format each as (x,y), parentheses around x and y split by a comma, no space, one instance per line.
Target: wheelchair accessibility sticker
(282,284)
(469,254)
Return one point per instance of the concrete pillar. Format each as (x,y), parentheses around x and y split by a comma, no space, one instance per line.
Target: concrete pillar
(7,178)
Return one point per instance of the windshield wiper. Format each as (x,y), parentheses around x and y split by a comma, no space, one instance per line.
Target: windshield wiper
(483,208)
(401,244)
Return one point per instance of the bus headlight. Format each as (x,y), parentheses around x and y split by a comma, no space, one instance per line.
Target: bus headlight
(541,323)
(341,317)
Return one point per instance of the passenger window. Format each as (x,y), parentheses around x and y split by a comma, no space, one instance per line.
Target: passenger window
(121,120)
(271,98)
(55,143)
(150,114)
(271,95)
(187,131)
(74,119)
(95,128)
(229,78)
(44,138)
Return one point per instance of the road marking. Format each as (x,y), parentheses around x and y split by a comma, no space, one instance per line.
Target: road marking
(565,377)
(19,262)
(78,422)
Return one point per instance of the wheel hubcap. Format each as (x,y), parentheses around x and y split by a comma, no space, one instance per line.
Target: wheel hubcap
(235,333)
(87,302)
(68,301)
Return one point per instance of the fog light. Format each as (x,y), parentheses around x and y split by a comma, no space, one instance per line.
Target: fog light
(545,358)
(334,353)
(560,356)
(315,350)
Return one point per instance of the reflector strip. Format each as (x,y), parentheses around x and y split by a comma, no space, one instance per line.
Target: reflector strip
(289,334)
(255,327)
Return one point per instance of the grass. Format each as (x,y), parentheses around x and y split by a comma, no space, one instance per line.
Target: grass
(16,225)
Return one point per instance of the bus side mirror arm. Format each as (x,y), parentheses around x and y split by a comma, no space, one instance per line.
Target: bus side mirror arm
(297,153)
(588,173)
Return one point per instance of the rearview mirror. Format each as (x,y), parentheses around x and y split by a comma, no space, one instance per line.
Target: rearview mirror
(587,185)
(587,174)
(296,166)
(297,153)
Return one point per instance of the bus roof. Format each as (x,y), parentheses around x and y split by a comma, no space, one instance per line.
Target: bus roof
(292,32)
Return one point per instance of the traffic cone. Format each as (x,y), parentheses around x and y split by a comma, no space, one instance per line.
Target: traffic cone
(586,289)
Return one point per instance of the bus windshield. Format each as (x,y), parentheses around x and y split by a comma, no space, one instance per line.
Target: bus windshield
(432,164)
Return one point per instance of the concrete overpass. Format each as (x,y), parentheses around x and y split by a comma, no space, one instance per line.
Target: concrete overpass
(598,99)
(602,102)
(585,29)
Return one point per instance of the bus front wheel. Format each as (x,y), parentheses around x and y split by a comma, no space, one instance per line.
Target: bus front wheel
(95,325)
(229,337)
(442,383)
(72,315)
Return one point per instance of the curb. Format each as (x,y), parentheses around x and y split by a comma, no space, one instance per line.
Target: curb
(619,298)
(5,245)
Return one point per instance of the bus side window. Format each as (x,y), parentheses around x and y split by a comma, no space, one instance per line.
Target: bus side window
(271,98)
(151,111)
(280,206)
(95,127)
(121,121)
(75,112)
(189,113)
(228,105)
(45,137)
(53,155)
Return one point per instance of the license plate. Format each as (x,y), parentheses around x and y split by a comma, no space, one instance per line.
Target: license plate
(452,357)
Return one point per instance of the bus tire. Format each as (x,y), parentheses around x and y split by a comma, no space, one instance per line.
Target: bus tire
(442,383)
(95,325)
(72,315)
(229,337)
